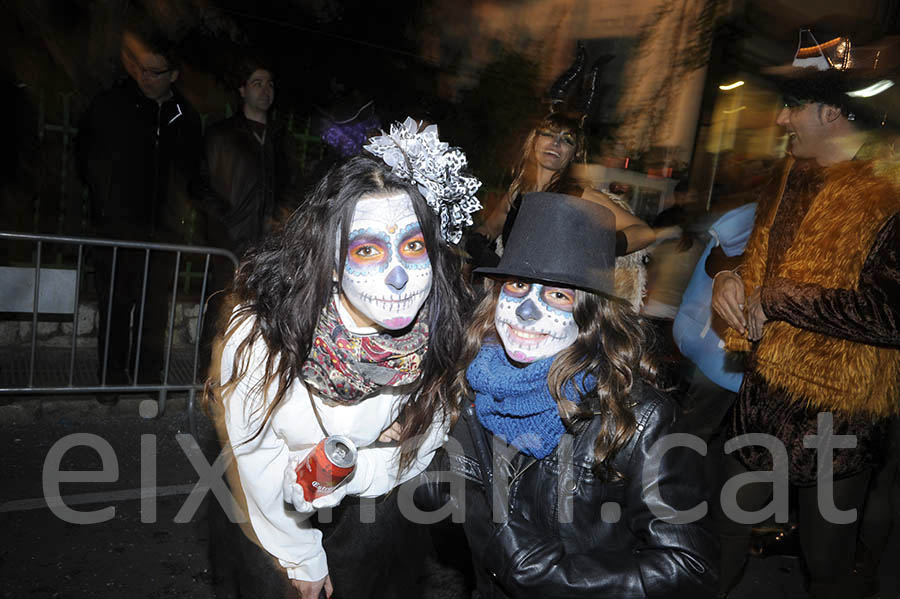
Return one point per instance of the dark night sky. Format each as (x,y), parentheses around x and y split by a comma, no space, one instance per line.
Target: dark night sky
(327,53)
(326,49)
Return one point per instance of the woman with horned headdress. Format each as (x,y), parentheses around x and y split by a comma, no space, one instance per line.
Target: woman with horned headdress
(347,322)
(545,164)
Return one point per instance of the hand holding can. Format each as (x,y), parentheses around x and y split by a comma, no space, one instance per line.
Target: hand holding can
(330,462)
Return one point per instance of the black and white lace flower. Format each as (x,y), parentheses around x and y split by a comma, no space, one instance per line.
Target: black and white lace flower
(436,168)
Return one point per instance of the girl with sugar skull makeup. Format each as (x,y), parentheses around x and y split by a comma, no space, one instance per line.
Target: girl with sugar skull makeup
(556,455)
(345,322)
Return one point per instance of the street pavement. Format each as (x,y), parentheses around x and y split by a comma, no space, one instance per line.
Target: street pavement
(153,543)
(153,546)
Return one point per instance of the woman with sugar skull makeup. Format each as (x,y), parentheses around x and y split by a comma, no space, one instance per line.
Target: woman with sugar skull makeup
(559,455)
(346,322)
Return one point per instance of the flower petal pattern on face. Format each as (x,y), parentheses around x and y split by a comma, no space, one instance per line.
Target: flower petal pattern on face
(529,328)
(385,285)
(437,170)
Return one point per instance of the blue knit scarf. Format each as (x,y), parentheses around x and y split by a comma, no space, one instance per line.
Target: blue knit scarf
(515,403)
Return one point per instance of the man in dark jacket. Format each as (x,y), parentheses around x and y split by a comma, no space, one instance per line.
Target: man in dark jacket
(138,146)
(249,165)
(247,176)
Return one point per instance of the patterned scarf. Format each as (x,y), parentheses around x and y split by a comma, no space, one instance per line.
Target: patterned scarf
(515,403)
(346,368)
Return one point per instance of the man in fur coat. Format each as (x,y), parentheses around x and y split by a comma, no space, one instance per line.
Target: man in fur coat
(816,304)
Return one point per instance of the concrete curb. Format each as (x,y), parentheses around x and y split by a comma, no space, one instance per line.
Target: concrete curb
(23,410)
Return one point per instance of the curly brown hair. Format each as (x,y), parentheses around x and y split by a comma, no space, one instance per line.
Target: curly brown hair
(611,346)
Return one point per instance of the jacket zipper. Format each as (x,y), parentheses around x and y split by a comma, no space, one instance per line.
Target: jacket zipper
(154,198)
(521,471)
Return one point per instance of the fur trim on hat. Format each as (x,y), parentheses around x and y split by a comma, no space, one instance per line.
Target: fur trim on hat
(631,269)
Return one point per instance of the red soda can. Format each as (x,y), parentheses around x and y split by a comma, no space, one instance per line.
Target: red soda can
(330,462)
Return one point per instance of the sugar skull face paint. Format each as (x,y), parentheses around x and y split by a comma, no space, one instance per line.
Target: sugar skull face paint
(535,321)
(387,275)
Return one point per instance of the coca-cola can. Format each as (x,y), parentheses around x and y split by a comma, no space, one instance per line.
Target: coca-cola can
(327,465)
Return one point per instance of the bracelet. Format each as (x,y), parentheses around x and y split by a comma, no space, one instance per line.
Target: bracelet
(722,272)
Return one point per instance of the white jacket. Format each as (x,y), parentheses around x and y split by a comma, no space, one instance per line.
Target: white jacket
(292,431)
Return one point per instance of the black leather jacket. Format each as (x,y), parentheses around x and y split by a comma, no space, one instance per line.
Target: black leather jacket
(138,157)
(570,534)
(243,183)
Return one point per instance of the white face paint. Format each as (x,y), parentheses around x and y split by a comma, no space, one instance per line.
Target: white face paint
(387,276)
(535,321)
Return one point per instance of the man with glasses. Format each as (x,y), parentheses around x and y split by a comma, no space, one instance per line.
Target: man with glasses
(138,146)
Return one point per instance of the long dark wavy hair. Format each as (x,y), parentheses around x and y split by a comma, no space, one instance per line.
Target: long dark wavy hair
(524,173)
(611,346)
(286,281)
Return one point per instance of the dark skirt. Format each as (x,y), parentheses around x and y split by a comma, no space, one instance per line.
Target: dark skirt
(761,408)
(372,551)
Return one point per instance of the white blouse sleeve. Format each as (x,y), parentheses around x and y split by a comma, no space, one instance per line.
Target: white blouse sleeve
(377,468)
(261,462)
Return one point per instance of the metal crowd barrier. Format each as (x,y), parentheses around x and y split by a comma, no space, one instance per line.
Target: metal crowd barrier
(51,294)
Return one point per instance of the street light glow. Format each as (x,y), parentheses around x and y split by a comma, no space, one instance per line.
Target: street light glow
(872,90)
(731,86)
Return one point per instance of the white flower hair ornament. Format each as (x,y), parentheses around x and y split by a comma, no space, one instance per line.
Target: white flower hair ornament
(422,158)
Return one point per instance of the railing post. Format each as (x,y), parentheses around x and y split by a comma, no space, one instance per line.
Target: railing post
(38,363)
(75,314)
(34,316)
(64,167)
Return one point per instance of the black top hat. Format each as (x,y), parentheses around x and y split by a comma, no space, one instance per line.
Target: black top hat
(561,239)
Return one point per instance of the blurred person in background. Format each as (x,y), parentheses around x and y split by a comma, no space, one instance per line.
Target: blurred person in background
(815,304)
(247,177)
(545,164)
(671,261)
(138,147)
(250,163)
(698,331)
(347,120)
